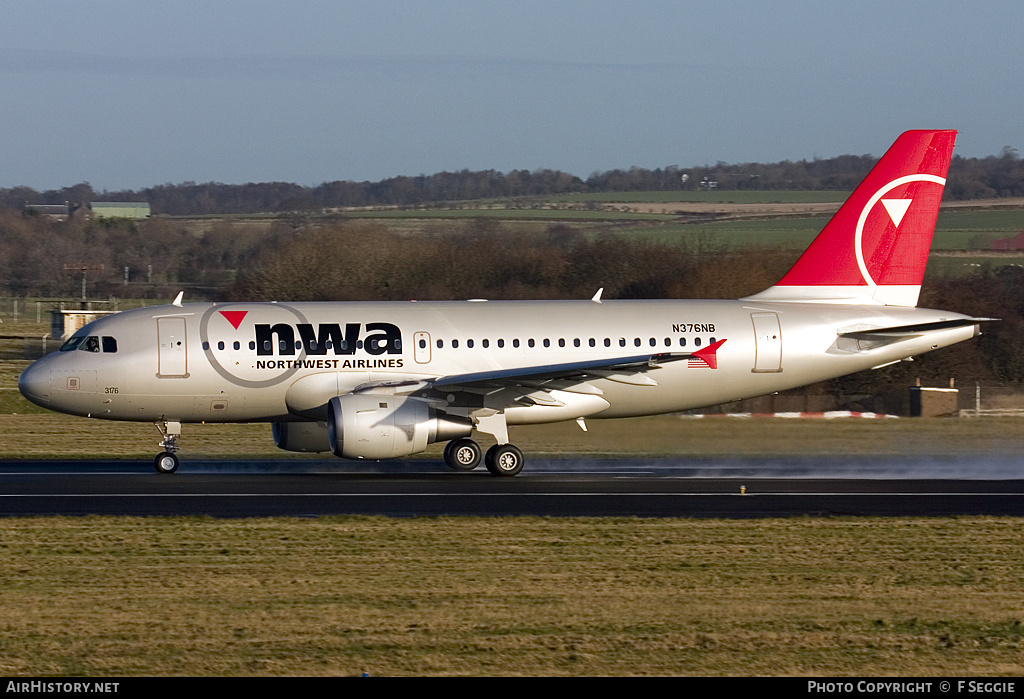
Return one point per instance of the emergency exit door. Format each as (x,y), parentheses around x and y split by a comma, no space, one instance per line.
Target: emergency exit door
(767,343)
(173,362)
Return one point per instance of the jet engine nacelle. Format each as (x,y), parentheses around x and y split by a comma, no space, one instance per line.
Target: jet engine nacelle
(370,426)
(301,436)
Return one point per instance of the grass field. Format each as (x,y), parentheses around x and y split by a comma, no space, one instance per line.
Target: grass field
(955,230)
(568,215)
(711,197)
(520,596)
(49,436)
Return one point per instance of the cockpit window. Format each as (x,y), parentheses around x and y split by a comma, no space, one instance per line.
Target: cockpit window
(90,343)
(71,343)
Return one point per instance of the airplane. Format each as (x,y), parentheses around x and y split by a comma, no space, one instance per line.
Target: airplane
(376,381)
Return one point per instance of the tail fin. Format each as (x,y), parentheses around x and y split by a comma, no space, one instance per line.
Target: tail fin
(875,248)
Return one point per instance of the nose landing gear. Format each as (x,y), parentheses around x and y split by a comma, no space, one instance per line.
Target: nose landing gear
(167,461)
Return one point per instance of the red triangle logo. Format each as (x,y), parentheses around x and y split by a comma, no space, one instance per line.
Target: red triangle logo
(234,317)
(709,354)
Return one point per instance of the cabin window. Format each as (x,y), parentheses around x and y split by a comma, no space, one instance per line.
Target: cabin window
(252,344)
(696,342)
(636,341)
(236,345)
(607,342)
(515,342)
(455,344)
(423,344)
(501,342)
(485,342)
(682,342)
(440,344)
(547,342)
(561,342)
(220,345)
(469,343)
(530,342)
(206,345)
(653,342)
(592,342)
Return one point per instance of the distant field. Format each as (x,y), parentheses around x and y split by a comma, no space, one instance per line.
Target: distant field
(713,197)
(955,230)
(512,214)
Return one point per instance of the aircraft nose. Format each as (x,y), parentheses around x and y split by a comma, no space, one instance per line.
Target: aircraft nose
(34,384)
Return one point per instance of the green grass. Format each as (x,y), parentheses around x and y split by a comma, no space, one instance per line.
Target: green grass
(106,596)
(44,436)
(955,230)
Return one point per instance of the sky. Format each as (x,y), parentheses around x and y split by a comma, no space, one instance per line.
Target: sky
(127,95)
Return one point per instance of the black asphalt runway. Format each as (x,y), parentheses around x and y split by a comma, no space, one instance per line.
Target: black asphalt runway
(720,487)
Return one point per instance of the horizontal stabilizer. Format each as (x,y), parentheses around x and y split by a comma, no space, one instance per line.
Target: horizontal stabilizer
(901,331)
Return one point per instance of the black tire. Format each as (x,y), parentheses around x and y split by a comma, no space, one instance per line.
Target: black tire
(166,462)
(504,460)
(462,454)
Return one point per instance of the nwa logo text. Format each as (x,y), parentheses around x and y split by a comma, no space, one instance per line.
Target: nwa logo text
(381,338)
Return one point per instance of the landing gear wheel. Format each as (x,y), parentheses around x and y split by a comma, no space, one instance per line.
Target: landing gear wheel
(166,462)
(462,454)
(504,460)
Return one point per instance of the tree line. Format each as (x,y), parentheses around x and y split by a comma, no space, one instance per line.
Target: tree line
(969,178)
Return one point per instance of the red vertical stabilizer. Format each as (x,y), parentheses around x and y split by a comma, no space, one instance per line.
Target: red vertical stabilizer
(874,250)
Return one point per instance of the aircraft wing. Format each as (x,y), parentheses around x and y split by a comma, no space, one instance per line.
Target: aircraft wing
(628,369)
(570,370)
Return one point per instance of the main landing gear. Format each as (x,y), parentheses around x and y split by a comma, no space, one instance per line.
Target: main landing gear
(167,461)
(500,460)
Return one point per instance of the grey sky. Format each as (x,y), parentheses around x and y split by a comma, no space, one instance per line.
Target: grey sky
(132,94)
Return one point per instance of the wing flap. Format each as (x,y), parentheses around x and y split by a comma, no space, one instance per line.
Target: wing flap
(569,370)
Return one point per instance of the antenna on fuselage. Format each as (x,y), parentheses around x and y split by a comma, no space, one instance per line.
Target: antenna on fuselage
(597,297)
(177,299)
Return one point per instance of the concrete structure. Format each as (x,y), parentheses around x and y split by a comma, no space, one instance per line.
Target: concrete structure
(933,402)
(57,212)
(65,323)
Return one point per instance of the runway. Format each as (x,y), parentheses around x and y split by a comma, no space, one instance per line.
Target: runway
(719,487)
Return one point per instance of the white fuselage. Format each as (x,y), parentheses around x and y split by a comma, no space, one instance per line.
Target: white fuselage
(238,362)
